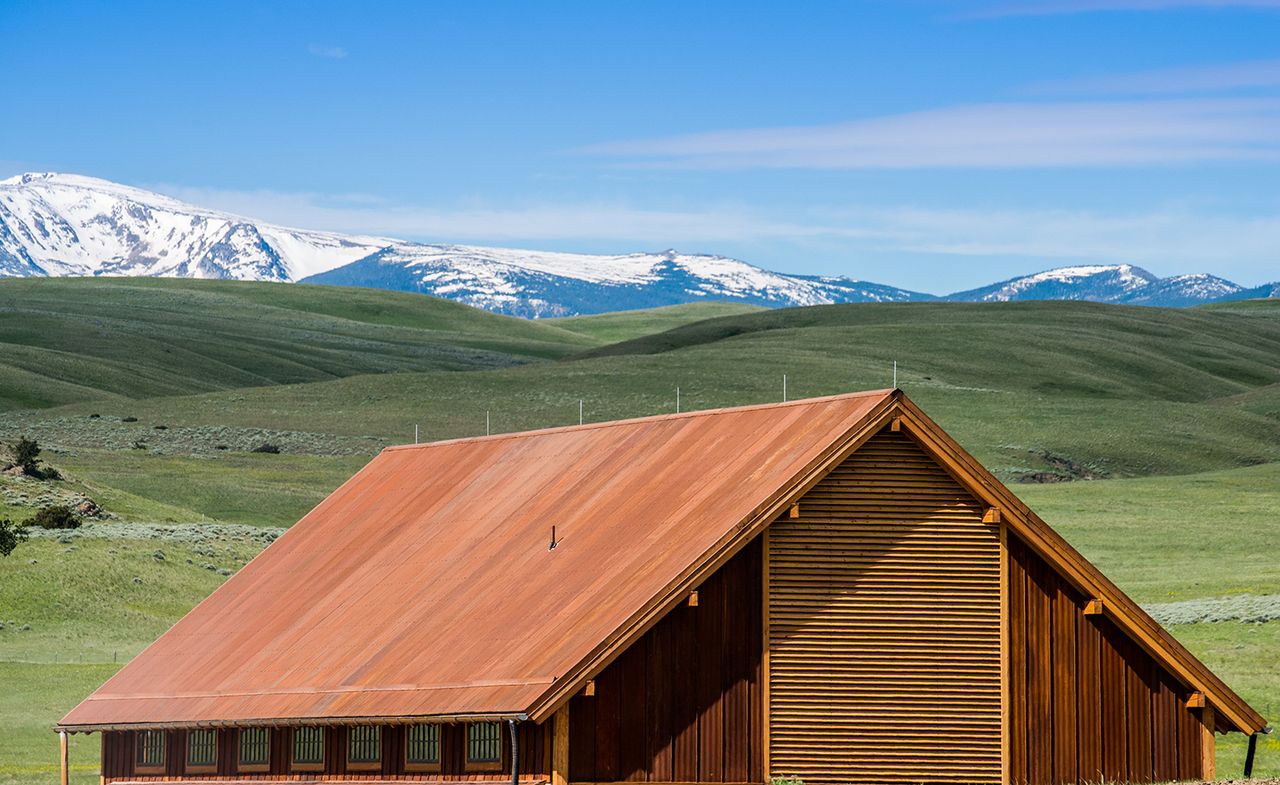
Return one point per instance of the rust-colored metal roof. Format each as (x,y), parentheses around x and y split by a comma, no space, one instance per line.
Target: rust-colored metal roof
(424,586)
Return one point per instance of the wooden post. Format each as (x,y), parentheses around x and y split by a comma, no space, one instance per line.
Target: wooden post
(560,747)
(1208,762)
(66,757)
(764,655)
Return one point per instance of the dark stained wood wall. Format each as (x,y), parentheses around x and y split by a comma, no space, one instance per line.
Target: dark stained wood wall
(682,704)
(1086,704)
(118,755)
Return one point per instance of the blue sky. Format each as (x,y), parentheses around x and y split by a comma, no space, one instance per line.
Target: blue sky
(931,145)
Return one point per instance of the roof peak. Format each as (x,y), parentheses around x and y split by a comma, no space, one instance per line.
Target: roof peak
(647,418)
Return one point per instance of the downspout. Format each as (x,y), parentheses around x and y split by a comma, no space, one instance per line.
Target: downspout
(1253,748)
(515,753)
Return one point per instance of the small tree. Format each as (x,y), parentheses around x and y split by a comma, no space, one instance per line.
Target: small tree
(26,454)
(10,536)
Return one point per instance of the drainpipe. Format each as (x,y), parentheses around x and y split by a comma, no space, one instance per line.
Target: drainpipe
(515,753)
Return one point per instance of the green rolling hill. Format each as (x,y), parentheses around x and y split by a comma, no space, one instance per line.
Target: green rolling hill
(73,339)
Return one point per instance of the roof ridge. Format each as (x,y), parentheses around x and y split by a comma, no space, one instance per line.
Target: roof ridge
(645,418)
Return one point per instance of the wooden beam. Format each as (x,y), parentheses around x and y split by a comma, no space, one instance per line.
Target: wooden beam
(1208,761)
(560,746)
(1093,607)
(693,598)
(65,754)
(895,424)
(795,511)
(1195,700)
(765,714)
(589,691)
(992,515)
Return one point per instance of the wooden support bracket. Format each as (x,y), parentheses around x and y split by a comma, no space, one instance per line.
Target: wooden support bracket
(589,689)
(992,515)
(1093,608)
(794,512)
(895,424)
(1195,700)
(693,598)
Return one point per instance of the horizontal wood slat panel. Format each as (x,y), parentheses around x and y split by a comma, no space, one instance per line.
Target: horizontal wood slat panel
(884,621)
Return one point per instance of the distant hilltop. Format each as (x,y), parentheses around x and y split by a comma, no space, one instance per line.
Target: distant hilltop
(70,225)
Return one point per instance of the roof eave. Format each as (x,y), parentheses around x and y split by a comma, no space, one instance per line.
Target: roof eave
(293,721)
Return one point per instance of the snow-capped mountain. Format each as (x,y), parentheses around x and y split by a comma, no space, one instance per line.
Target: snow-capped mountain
(61,224)
(540,283)
(1114,283)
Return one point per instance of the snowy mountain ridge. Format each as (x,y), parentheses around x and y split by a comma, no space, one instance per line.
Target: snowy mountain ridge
(70,225)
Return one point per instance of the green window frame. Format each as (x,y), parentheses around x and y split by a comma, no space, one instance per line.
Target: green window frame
(308,746)
(255,748)
(422,746)
(149,755)
(202,749)
(364,745)
(484,744)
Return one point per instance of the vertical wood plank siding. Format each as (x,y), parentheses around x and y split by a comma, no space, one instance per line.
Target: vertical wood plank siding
(1096,706)
(682,704)
(117,756)
(884,626)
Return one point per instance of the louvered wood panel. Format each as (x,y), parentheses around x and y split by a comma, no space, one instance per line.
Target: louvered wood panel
(884,626)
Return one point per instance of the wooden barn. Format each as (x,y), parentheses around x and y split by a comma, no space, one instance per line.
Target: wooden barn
(829,589)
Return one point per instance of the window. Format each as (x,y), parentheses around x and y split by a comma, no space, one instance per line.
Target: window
(422,748)
(364,747)
(150,753)
(308,749)
(202,751)
(484,746)
(255,750)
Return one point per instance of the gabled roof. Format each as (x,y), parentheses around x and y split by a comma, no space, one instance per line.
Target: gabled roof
(425,587)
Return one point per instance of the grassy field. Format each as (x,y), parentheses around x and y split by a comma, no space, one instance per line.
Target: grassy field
(627,325)
(75,339)
(1180,410)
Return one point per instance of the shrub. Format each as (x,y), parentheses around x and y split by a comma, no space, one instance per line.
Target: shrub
(26,455)
(267,447)
(10,536)
(56,516)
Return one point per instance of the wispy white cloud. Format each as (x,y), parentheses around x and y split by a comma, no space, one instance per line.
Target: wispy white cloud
(1052,134)
(1168,240)
(1051,7)
(329,52)
(1248,75)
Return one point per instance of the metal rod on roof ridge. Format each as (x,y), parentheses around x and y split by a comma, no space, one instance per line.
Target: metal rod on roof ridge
(415,433)
(677,400)
(486,422)
(895,374)
(784,388)
(579,411)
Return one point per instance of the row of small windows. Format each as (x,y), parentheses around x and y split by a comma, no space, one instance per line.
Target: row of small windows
(364,748)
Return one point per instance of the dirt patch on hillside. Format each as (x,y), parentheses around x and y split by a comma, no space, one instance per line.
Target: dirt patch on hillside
(1061,469)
